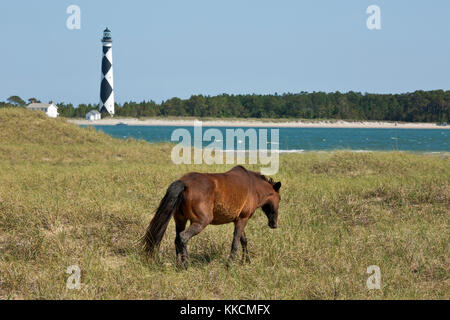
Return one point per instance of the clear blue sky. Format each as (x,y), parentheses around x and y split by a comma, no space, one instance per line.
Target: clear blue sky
(164,49)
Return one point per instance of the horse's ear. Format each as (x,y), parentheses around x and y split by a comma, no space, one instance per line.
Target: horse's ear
(277,186)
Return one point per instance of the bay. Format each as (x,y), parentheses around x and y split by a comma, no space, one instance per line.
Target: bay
(312,139)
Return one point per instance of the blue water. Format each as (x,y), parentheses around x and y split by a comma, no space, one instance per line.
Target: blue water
(308,139)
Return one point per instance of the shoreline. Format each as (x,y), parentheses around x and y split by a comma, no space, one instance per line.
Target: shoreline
(255,123)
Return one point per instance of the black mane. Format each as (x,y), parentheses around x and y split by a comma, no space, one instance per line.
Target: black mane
(269,180)
(258,175)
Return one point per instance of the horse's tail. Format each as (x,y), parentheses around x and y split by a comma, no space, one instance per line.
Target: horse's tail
(158,225)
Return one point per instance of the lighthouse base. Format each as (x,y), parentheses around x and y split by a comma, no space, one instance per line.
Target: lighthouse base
(104,113)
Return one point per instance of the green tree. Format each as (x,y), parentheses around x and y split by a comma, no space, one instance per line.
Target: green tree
(16,100)
(33,100)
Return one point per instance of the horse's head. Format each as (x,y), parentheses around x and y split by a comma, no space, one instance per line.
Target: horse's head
(270,206)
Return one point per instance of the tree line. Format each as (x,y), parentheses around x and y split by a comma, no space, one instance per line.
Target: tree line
(418,106)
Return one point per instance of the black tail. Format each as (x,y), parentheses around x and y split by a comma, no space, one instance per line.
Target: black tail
(159,223)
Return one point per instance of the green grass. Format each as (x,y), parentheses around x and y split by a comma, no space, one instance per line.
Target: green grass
(72,196)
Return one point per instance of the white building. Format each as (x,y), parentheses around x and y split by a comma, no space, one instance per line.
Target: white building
(49,108)
(93,115)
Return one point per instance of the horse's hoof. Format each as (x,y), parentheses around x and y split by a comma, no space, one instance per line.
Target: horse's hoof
(182,265)
(230,262)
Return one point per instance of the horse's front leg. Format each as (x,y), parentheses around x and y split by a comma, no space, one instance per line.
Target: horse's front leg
(239,226)
(245,256)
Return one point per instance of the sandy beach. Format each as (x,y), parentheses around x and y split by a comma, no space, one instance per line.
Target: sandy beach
(255,123)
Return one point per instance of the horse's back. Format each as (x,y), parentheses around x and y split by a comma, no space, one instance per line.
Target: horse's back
(212,182)
(198,181)
(224,193)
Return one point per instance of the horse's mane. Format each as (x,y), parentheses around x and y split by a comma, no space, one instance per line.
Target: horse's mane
(258,175)
(269,180)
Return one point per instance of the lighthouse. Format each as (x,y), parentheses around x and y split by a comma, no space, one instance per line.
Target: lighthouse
(107,83)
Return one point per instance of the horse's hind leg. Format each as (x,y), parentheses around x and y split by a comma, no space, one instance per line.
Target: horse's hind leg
(180,225)
(199,213)
(245,255)
(194,229)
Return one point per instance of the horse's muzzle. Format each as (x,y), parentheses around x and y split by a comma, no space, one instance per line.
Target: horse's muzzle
(273,225)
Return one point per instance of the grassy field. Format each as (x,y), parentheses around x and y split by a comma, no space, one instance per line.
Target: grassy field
(72,196)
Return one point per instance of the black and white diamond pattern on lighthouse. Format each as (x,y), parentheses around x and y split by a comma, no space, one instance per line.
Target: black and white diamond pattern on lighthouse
(106,86)
(105,90)
(107,80)
(106,65)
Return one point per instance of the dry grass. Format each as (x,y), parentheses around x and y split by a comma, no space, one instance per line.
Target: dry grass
(76,196)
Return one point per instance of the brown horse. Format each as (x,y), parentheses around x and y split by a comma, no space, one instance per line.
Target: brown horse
(213,198)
